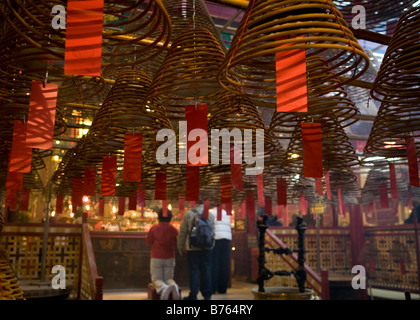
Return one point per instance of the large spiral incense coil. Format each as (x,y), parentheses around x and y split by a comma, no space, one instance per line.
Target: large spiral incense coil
(270,26)
(132,34)
(188,73)
(124,111)
(338,153)
(9,286)
(191,14)
(398,77)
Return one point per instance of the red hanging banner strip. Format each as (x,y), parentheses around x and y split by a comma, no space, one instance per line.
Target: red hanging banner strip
(89,183)
(281,192)
(121,205)
(225,189)
(109,174)
(236,168)
(219,212)
(341,205)
(59,203)
(228,208)
(160,186)
(83,48)
(393,182)
(312,149)
(260,189)
(192,192)
(303,210)
(132,203)
(291,87)
(141,198)
(20,153)
(14,183)
(243,215)
(318,186)
(101,207)
(181,201)
(197,142)
(383,194)
(77,192)
(413,167)
(133,144)
(41,116)
(206,207)
(327,185)
(164,208)
(24,200)
(268,206)
(250,211)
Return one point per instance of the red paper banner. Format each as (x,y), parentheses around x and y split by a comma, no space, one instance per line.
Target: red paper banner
(89,183)
(243,215)
(83,48)
(181,201)
(192,192)
(14,183)
(235,168)
(383,193)
(141,198)
(260,189)
(59,203)
(393,182)
(327,185)
(206,207)
(20,153)
(219,212)
(285,216)
(132,203)
(341,205)
(228,208)
(197,145)
(250,211)
(77,192)
(109,174)
(303,209)
(312,149)
(268,206)
(133,144)
(225,189)
(121,205)
(160,186)
(101,207)
(291,87)
(24,200)
(413,167)
(281,192)
(41,116)
(164,208)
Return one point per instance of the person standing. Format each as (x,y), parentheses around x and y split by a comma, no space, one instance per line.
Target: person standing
(163,238)
(199,260)
(221,252)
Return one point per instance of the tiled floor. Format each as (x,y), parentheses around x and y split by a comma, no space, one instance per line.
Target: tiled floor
(239,290)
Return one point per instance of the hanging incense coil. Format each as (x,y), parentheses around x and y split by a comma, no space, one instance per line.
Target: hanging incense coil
(397,80)
(9,285)
(124,111)
(132,34)
(318,27)
(191,14)
(188,73)
(338,153)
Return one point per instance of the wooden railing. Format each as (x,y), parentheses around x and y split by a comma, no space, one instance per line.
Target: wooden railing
(318,282)
(68,245)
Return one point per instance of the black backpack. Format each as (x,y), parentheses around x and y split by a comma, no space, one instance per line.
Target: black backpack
(201,234)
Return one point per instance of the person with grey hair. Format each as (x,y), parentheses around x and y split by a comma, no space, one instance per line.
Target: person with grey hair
(163,238)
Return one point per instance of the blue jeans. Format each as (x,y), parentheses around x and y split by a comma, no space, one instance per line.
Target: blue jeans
(199,263)
(220,269)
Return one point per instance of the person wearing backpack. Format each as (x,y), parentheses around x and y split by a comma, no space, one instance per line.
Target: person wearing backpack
(198,255)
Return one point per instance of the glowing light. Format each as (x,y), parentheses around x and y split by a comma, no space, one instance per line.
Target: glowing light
(71,215)
(85,199)
(53,214)
(169,207)
(114,209)
(70,206)
(87,207)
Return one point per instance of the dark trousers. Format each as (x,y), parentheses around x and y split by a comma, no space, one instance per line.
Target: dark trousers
(221,265)
(199,263)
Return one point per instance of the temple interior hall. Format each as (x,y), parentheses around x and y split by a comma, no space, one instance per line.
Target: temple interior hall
(129,128)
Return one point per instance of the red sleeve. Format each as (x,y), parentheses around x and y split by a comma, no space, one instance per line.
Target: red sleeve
(149,237)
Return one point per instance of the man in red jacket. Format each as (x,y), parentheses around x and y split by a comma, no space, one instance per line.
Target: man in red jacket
(163,238)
